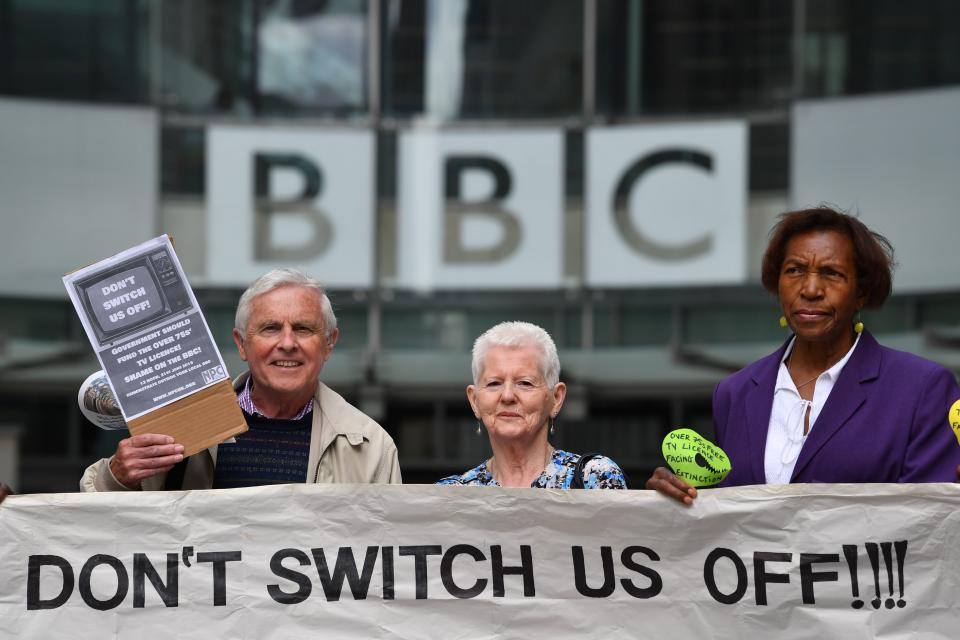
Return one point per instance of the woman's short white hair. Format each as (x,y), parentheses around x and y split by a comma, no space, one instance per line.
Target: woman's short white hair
(276,278)
(518,334)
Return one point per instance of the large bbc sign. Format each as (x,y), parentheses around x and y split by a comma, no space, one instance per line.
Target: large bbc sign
(481,209)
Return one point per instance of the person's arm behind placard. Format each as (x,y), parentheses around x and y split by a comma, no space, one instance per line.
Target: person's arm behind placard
(933,453)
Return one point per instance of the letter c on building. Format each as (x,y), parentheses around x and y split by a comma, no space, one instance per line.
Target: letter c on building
(621,209)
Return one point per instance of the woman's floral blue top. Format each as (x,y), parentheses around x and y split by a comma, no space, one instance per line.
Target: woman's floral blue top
(598,473)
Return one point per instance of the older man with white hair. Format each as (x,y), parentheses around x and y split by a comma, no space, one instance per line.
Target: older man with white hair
(299,429)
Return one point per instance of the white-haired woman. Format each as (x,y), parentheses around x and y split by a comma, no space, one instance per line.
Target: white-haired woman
(516,394)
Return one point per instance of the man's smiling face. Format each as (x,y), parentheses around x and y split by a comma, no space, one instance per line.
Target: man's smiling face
(285,343)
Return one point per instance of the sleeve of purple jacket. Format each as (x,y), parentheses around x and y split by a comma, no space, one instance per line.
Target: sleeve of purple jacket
(933,453)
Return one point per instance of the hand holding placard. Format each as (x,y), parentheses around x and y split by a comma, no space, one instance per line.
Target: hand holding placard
(143,456)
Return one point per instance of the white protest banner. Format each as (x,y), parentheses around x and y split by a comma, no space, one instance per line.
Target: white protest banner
(352,561)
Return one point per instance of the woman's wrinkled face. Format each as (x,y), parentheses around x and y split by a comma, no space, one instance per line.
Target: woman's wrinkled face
(818,286)
(511,396)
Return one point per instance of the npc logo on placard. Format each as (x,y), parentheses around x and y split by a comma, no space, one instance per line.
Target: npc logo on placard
(213,374)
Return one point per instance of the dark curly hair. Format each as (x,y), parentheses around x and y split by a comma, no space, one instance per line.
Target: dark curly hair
(872,253)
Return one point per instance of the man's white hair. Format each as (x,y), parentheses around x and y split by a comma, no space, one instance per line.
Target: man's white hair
(276,278)
(518,334)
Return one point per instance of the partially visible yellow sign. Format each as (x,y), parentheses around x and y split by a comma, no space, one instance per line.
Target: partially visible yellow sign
(953,416)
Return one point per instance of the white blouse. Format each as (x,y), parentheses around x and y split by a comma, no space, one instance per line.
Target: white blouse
(785,435)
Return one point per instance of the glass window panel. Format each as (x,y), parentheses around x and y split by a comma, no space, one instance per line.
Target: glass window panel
(414,428)
(183,160)
(39,319)
(481,320)
(482,58)
(629,431)
(454,329)
(220,319)
(698,415)
(940,311)
(662,56)
(615,326)
(295,58)
(312,56)
(894,317)
(91,50)
(640,326)
(207,55)
(746,323)
(353,327)
(573,328)
(606,328)
(856,47)
(45,422)
(769,164)
(436,439)
(98,443)
(409,328)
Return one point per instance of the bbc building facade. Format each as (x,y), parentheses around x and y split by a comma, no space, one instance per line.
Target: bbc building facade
(607,169)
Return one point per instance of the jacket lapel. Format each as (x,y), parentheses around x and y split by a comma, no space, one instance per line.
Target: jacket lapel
(759,404)
(845,398)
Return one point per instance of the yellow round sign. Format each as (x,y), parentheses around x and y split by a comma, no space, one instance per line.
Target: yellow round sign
(696,460)
(953,417)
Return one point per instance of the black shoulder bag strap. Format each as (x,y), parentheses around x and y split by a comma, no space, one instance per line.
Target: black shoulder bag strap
(577,482)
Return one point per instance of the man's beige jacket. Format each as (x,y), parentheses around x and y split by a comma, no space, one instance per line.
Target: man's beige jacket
(346,446)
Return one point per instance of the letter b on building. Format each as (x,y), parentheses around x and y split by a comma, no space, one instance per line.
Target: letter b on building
(266,207)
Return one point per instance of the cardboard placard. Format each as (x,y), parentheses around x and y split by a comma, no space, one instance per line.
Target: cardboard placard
(155,346)
(198,421)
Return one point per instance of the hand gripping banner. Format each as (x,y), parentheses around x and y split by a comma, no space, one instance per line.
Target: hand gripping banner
(346,561)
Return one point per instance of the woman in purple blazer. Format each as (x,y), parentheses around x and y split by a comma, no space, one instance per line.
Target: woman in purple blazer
(831,405)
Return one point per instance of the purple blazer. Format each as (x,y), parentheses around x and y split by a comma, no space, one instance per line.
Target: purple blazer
(884,421)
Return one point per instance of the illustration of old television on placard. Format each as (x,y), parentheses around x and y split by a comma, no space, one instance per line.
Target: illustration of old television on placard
(130,295)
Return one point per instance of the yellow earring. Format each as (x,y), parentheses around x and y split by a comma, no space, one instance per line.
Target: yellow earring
(783,322)
(858,326)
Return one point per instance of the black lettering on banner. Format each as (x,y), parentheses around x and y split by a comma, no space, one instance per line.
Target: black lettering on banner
(123,582)
(887,548)
(808,576)
(219,559)
(304,586)
(656,582)
(34,564)
(525,569)
(762,577)
(143,568)
(456,211)
(710,578)
(420,553)
(346,567)
(386,561)
(446,571)
(580,574)
(850,554)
